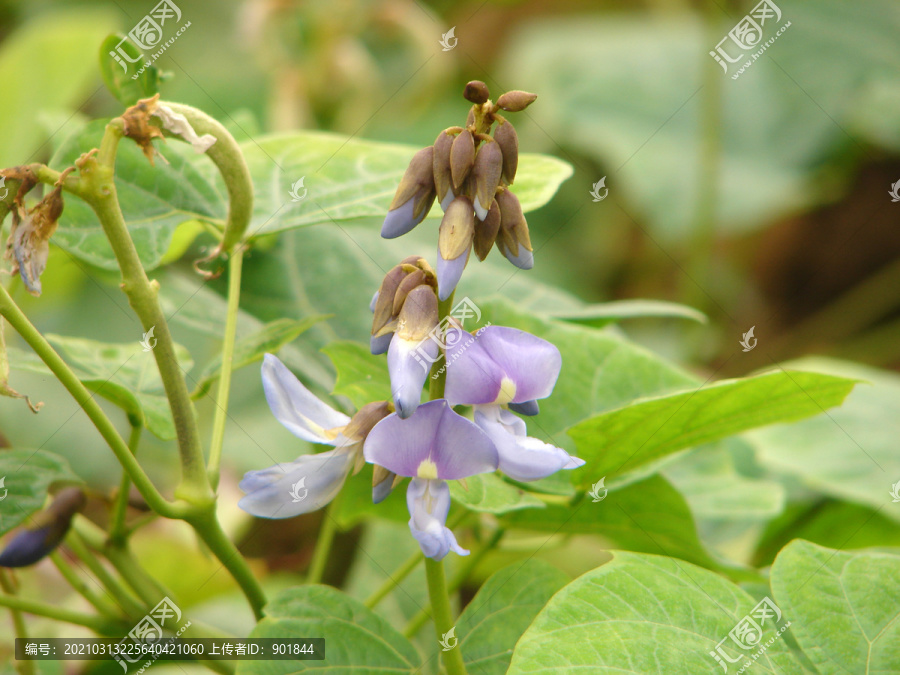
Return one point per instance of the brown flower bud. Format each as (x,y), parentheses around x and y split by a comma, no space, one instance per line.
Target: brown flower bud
(486,231)
(417,183)
(462,157)
(419,315)
(515,101)
(441,162)
(384,306)
(367,417)
(506,138)
(457,229)
(513,239)
(486,171)
(136,125)
(477,92)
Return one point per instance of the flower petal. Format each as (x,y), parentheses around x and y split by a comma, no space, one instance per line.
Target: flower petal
(472,375)
(301,486)
(408,364)
(295,406)
(380,345)
(449,273)
(525,259)
(528,408)
(401,220)
(435,441)
(522,457)
(447,200)
(428,502)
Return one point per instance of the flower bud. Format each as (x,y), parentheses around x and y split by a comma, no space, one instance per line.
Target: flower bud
(413,279)
(441,163)
(45,531)
(384,305)
(513,239)
(486,172)
(506,138)
(486,232)
(367,417)
(477,92)
(457,229)
(414,196)
(462,157)
(419,314)
(515,101)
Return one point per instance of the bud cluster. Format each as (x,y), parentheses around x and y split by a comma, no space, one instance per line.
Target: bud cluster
(469,172)
(404,304)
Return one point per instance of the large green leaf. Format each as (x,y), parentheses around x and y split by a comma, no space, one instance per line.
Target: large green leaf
(851,453)
(361,376)
(356,639)
(251,348)
(844,607)
(649,516)
(491,494)
(644,614)
(26,475)
(622,440)
(123,374)
(154,199)
(504,606)
(350,178)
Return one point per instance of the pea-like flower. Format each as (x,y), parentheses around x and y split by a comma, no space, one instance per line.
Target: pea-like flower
(433,446)
(311,481)
(503,369)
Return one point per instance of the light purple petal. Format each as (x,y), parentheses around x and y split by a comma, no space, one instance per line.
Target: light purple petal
(472,375)
(528,408)
(428,502)
(525,259)
(480,211)
(447,200)
(434,439)
(380,345)
(295,406)
(301,486)
(400,221)
(522,458)
(449,273)
(373,301)
(409,362)
(381,491)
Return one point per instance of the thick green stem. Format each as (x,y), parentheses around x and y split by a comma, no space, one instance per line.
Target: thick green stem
(120,508)
(85,399)
(323,543)
(80,586)
(99,190)
(443,618)
(207,526)
(235,264)
(21,630)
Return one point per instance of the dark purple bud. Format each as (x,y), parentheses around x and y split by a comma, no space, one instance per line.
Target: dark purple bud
(45,531)
(529,408)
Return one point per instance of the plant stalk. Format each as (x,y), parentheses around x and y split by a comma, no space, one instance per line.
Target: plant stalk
(120,508)
(443,618)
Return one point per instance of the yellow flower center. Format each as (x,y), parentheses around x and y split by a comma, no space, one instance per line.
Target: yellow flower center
(427,469)
(507,391)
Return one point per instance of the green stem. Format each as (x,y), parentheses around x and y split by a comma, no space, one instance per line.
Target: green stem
(131,606)
(99,190)
(80,586)
(85,399)
(101,626)
(235,264)
(120,508)
(443,619)
(19,627)
(323,543)
(210,530)
(438,375)
(394,580)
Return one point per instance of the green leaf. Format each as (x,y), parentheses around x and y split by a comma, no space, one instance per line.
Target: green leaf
(489,493)
(609,312)
(622,440)
(155,200)
(844,607)
(351,178)
(26,476)
(356,639)
(118,79)
(250,349)
(643,614)
(649,516)
(123,374)
(356,505)
(849,454)
(504,606)
(48,66)
(361,377)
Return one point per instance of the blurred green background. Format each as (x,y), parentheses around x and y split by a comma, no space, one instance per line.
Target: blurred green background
(761,201)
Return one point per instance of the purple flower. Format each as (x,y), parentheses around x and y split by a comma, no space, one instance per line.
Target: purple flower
(433,446)
(506,367)
(413,349)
